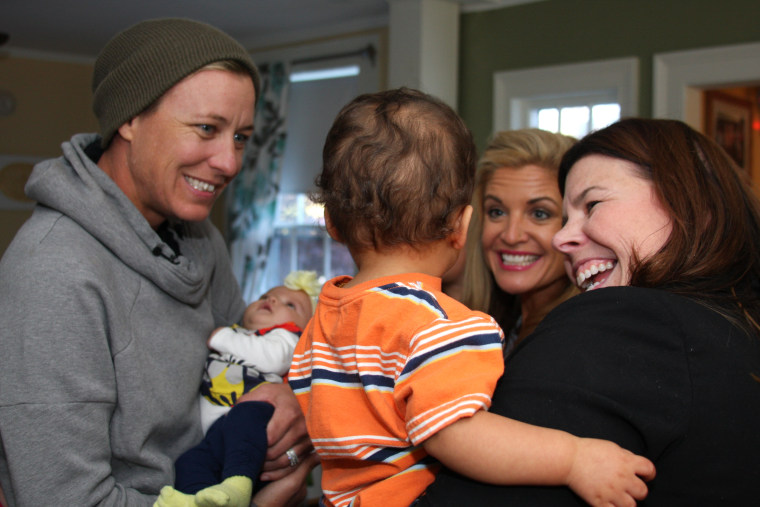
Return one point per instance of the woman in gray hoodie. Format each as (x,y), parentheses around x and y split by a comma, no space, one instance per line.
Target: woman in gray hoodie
(111,288)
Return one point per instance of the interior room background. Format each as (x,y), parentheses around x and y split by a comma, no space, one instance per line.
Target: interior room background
(51,99)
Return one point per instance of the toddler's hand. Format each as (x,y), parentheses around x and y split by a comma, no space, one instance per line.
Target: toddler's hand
(604,474)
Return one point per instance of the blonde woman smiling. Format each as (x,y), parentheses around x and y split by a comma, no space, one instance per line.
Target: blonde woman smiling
(512,272)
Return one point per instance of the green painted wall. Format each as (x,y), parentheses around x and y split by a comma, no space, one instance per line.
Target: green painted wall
(553,32)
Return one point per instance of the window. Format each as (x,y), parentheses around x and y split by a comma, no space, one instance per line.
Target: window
(324,76)
(572,116)
(301,242)
(314,99)
(572,99)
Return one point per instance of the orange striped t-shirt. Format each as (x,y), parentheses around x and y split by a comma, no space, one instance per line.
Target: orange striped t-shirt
(380,368)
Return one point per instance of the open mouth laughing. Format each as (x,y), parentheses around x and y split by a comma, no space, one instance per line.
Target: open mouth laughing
(593,274)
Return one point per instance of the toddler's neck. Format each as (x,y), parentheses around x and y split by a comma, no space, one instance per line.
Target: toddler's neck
(434,260)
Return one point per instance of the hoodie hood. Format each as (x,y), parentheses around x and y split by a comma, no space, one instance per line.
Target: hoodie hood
(76,187)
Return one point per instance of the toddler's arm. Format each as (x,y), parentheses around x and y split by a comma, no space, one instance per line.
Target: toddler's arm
(494,449)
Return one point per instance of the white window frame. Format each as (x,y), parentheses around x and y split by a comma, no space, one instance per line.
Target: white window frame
(369,75)
(514,90)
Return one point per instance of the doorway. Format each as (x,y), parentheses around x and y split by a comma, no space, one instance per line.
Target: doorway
(686,82)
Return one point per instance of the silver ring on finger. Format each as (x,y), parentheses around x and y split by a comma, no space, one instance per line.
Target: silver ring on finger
(292,458)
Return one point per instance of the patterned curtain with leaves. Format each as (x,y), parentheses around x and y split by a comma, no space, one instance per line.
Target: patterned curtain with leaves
(252,198)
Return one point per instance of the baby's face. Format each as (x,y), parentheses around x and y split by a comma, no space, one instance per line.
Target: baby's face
(278,306)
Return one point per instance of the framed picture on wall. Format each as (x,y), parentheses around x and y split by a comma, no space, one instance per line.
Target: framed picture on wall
(728,121)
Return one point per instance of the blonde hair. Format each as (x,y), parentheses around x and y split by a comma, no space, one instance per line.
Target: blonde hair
(511,149)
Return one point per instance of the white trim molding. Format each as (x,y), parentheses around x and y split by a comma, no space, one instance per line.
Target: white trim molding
(680,77)
(511,89)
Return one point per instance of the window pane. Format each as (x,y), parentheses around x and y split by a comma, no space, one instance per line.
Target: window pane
(314,213)
(331,73)
(287,209)
(312,106)
(310,250)
(298,209)
(299,243)
(574,121)
(603,115)
(281,249)
(548,119)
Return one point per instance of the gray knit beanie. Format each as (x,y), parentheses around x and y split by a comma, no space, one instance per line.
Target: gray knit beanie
(141,63)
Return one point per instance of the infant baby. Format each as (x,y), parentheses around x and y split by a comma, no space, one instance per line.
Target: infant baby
(223,468)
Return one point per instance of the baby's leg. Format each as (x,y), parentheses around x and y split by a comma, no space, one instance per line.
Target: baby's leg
(201,466)
(245,439)
(239,440)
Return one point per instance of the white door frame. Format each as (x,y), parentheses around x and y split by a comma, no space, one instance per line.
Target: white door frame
(680,76)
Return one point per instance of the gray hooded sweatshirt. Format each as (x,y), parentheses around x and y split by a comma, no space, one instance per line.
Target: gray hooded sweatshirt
(103,330)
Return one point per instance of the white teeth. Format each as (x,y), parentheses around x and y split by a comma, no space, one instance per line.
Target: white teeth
(592,270)
(519,260)
(200,185)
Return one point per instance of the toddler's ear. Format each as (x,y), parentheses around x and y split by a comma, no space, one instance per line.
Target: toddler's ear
(331,230)
(458,237)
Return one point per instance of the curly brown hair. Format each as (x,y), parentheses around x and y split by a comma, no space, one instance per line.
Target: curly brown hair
(397,167)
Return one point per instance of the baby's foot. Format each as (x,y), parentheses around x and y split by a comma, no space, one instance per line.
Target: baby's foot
(170,497)
(233,492)
(212,497)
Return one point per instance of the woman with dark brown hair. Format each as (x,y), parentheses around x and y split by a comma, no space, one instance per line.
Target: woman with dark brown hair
(661,351)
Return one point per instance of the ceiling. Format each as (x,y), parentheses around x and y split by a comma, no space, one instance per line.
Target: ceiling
(74,29)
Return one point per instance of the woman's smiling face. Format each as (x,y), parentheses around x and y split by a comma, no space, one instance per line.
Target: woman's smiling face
(187,148)
(522,209)
(612,216)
